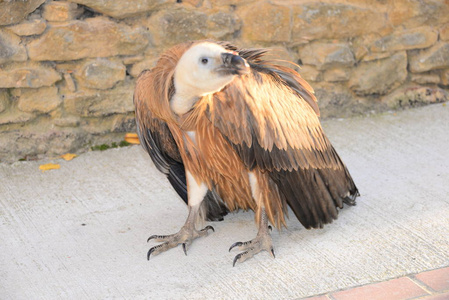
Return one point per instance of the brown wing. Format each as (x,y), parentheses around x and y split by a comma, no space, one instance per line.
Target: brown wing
(156,138)
(270,119)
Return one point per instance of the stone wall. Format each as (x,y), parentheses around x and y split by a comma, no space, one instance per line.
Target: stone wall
(67,68)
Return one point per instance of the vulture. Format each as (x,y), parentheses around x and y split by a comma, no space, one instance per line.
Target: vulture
(234,130)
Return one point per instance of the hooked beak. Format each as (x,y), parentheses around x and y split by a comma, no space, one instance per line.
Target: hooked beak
(233,64)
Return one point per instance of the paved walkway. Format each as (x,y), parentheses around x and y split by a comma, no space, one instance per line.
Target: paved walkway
(80,232)
(429,285)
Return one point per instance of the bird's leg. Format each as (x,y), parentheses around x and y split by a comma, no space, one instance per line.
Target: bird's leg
(184,236)
(196,192)
(261,242)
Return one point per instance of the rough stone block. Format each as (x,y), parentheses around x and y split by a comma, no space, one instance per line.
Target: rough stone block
(425,78)
(42,100)
(445,77)
(67,121)
(27,28)
(95,37)
(4,100)
(100,73)
(266,22)
(380,76)
(170,27)
(70,83)
(360,45)
(335,100)
(215,3)
(415,96)
(325,55)
(37,142)
(195,3)
(415,13)
(222,25)
(336,75)
(416,38)
(97,126)
(15,117)
(145,64)
(310,73)
(124,123)
(436,57)
(11,48)
(122,9)
(130,60)
(12,12)
(61,11)
(27,75)
(91,103)
(313,21)
(444,32)
(376,56)
(176,26)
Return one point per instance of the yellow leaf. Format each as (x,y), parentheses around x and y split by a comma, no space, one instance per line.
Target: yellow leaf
(132,138)
(47,167)
(68,156)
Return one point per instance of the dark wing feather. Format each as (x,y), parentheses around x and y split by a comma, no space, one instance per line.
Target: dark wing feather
(157,140)
(270,117)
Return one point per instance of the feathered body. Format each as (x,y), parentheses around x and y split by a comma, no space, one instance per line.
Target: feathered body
(261,127)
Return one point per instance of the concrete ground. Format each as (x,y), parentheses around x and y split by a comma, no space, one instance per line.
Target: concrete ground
(80,232)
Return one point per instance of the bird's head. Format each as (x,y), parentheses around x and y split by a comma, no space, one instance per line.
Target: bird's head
(205,68)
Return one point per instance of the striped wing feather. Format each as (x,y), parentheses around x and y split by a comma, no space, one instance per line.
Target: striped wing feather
(270,118)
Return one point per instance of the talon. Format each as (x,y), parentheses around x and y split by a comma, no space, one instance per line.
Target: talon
(207,228)
(185,236)
(235,259)
(262,242)
(151,237)
(235,245)
(149,253)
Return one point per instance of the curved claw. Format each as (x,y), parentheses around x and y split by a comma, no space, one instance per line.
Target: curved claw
(151,237)
(272,253)
(235,245)
(149,252)
(207,228)
(184,248)
(237,257)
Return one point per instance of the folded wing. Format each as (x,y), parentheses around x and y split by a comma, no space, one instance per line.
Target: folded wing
(270,117)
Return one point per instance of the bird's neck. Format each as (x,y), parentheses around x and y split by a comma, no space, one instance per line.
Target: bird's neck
(183,100)
(181,105)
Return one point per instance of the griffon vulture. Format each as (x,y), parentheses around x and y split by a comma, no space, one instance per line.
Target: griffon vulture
(232,130)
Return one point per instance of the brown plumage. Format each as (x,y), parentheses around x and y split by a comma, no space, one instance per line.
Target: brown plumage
(253,142)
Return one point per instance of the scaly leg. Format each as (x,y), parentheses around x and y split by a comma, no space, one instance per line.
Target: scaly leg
(187,233)
(184,236)
(261,242)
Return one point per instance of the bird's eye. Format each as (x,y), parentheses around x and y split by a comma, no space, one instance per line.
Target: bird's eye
(204,61)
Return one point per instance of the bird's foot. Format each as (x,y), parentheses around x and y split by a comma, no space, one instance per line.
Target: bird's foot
(250,248)
(185,236)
